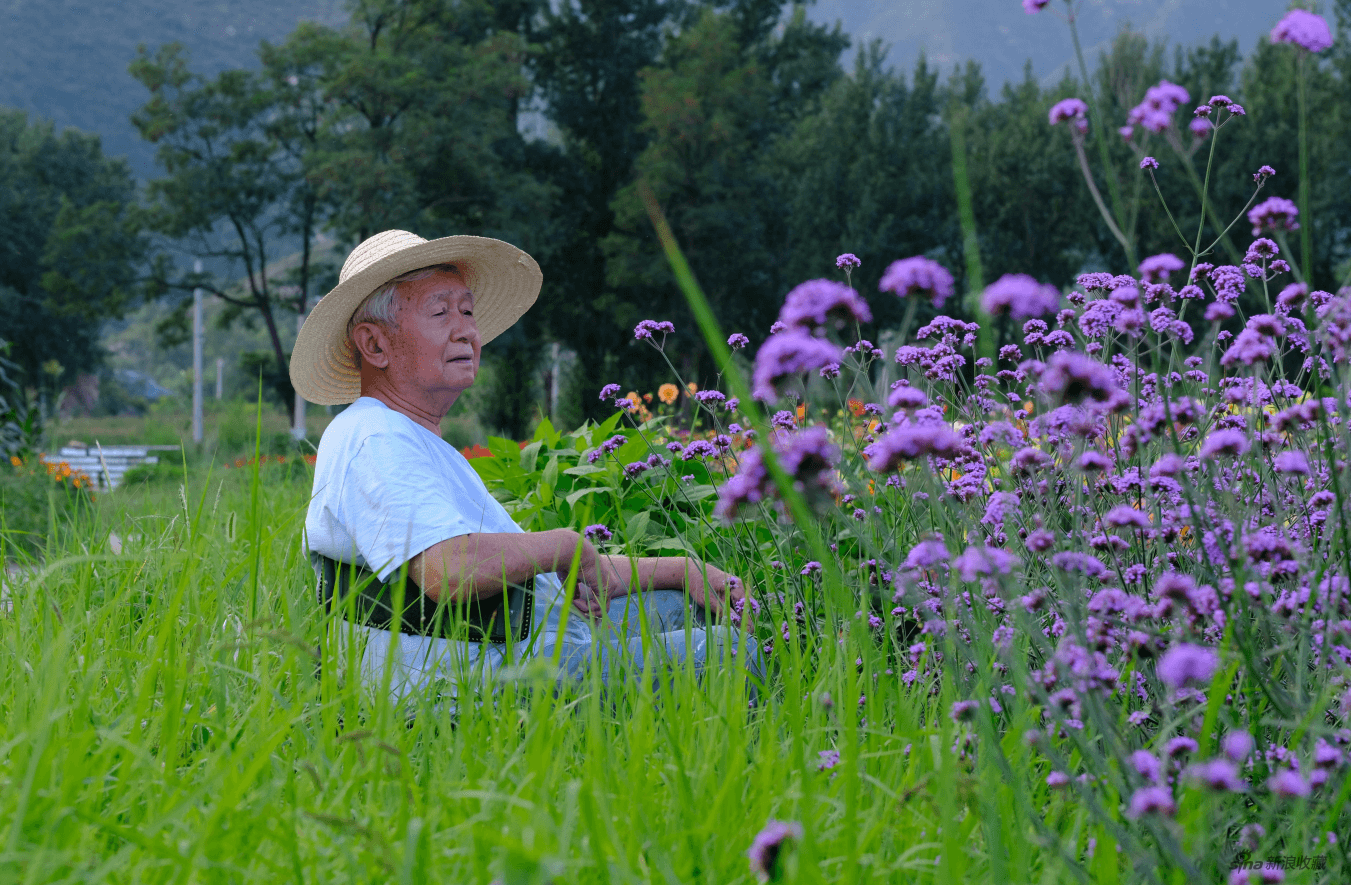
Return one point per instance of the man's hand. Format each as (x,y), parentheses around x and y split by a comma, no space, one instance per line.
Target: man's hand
(713,588)
(598,581)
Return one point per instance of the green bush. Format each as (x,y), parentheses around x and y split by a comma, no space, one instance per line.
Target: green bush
(34,502)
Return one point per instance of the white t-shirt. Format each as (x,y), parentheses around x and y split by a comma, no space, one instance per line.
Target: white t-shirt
(385,489)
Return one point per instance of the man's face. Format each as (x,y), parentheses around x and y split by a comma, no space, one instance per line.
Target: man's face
(434,343)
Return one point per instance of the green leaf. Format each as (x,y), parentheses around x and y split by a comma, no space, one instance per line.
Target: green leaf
(576,496)
(550,477)
(530,455)
(584,470)
(637,525)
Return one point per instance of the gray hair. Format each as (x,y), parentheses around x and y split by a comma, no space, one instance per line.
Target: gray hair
(381,306)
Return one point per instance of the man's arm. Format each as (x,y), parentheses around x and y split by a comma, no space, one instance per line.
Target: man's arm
(476,565)
(708,585)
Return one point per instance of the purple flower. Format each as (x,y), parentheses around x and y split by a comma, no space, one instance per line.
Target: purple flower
(1200,128)
(1057,779)
(710,397)
(1288,783)
(1224,442)
(1152,800)
(1125,515)
(918,276)
(1085,564)
(645,329)
(962,710)
(636,469)
(1149,163)
(1219,775)
(808,457)
(1074,377)
(1263,173)
(1304,29)
(1020,296)
(1155,113)
(597,532)
(907,397)
(1093,460)
(828,759)
(736,341)
(610,391)
(1185,663)
(1292,462)
(847,261)
(1273,213)
(810,568)
(1179,745)
(818,302)
(926,555)
(1157,268)
(1032,7)
(768,845)
(1068,109)
(1147,764)
(787,354)
(1237,745)
(977,561)
(699,448)
(911,441)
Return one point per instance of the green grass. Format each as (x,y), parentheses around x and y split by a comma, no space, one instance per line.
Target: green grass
(155,727)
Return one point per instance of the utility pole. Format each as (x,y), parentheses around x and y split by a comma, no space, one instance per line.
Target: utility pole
(198,339)
(220,377)
(298,422)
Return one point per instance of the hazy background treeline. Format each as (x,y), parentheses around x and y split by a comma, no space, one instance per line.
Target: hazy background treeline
(534,121)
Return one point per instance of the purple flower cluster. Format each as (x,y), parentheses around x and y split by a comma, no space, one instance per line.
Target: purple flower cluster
(1161,101)
(1072,109)
(918,276)
(807,457)
(1019,296)
(820,303)
(1273,214)
(647,328)
(1307,30)
(787,355)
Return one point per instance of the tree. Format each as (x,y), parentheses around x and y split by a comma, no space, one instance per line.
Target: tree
(704,108)
(226,190)
(73,247)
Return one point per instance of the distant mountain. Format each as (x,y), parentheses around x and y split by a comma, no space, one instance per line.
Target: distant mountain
(67,59)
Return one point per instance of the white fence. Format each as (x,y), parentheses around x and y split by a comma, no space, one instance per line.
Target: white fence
(106,465)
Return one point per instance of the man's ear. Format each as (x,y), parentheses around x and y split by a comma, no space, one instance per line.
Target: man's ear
(372,343)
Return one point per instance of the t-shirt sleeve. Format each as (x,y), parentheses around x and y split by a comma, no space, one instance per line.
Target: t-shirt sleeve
(396,503)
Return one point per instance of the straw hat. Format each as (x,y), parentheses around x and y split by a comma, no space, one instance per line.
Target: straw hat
(505,282)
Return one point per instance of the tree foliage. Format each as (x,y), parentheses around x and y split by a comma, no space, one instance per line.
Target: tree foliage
(70,246)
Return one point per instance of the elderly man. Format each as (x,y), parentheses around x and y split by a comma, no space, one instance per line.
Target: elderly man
(402,531)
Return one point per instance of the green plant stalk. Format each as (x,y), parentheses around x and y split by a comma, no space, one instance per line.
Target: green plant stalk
(1100,124)
(722,355)
(1305,209)
(1205,193)
(966,213)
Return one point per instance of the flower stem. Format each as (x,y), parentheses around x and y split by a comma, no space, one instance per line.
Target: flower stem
(1306,225)
(1100,125)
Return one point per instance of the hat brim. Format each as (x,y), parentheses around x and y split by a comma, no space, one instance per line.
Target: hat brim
(505,282)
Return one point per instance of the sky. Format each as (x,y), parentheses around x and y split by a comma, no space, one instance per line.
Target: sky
(1004,38)
(66,60)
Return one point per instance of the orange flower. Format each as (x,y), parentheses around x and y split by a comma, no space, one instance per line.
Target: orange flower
(647,397)
(691,388)
(668,392)
(15,461)
(856,407)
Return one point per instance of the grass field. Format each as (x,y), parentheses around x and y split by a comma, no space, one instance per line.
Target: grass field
(161,721)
